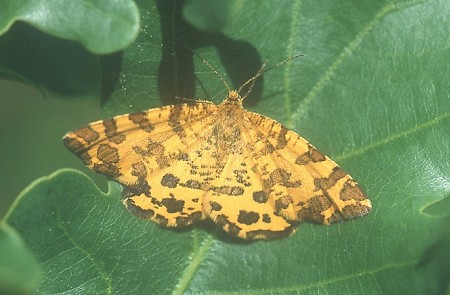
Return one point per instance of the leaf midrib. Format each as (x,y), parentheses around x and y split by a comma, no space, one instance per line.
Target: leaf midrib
(102,272)
(195,260)
(300,288)
(363,149)
(345,53)
(199,254)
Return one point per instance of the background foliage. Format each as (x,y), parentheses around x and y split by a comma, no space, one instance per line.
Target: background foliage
(372,92)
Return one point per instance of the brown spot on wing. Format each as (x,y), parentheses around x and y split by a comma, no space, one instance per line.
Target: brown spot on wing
(138,211)
(141,120)
(282,177)
(269,234)
(351,191)
(154,150)
(312,210)
(174,120)
(183,221)
(312,155)
(328,182)
(266,218)
(109,170)
(228,226)
(169,180)
(241,176)
(269,148)
(183,156)
(107,154)
(161,220)
(111,131)
(87,134)
(281,139)
(191,183)
(215,206)
(173,205)
(282,203)
(228,190)
(248,217)
(354,211)
(260,197)
(141,186)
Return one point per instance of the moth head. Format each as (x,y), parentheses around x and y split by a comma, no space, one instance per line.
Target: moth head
(235,95)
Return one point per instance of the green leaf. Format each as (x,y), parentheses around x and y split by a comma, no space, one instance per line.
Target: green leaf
(101,26)
(56,61)
(52,64)
(19,271)
(369,93)
(208,15)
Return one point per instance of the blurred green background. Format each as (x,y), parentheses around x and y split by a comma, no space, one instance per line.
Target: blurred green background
(32,124)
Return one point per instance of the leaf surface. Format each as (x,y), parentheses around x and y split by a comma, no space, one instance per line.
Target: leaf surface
(101,26)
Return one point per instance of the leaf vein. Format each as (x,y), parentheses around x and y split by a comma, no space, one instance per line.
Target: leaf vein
(196,258)
(289,50)
(388,139)
(318,284)
(346,52)
(102,273)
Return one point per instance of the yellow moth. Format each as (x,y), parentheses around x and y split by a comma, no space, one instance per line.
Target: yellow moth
(246,172)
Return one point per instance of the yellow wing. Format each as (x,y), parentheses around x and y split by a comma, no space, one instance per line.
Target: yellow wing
(152,154)
(306,184)
(276,181)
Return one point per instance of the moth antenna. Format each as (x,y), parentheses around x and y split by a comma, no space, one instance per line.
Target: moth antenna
(252,81)
(214,70)
(261,72)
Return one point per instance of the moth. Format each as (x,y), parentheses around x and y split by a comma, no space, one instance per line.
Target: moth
(253,177)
